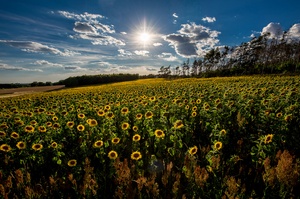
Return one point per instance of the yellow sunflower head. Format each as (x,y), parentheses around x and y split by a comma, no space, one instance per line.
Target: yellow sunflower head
(70,124)
(136,155)
(21,145)
(178,124)
(80,127)
(159,133)
(72,163)
(113,155)
(29,129)
(14,135)
(5,148)
(98,144)
(115,140)
(37,147)
(125,126)
(148,114)
(268,138)
(193,150)
(136,138)
(218,145)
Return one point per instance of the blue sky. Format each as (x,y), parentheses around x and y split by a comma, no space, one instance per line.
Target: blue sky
(50,40)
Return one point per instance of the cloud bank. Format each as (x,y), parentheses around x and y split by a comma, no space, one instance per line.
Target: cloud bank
(88,27)
(30,46)
(192,40)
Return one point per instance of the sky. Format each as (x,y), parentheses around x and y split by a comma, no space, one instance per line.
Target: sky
(51,40)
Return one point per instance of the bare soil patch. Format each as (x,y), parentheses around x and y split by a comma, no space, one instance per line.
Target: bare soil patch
(12,92)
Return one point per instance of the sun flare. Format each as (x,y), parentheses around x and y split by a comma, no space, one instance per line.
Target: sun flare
(144,37)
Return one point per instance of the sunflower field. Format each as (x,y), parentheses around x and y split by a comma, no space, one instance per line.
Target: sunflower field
(234,137)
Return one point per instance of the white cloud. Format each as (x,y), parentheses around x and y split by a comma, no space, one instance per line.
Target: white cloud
(168,57)
(294,32)
(46,63)
(124,53)
(141,52)
(274,29)
(88,27)
(30,46)
(157,44)
(84,27)
(209,19)
(82,17)
(192,40)
(175,16)
(124,33)
(17,68)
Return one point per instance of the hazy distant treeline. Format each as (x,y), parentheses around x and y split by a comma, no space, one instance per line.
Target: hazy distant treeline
(97,79)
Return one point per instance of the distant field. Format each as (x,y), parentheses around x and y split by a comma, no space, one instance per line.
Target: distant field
(22,91)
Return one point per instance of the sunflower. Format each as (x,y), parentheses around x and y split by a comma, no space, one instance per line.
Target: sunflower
(21,145)
(217,101)
(125,126)
(218,145)
(110,115)
(152,99)
(159,133)
(19,123)
(268,138)
(107,107)
(288,118)
(98,144)
(56,125)
(193,150)
(37,147)
(30,114)
(42,129)
(148,114)
(14,135)
(113,155)
(54,119)
(223,132)
(115,140)
(5,148)
(2,134)
(70,124)
(124,110)
(29,129)
(81,115)
(72,163)
(80,127)
(54,145)
(135,128)
(136,155)
(49,124)
(194,108)
(178,124)
(33,122)
(267,112)
(64,113)
(138,116)
(101,113)
(93,122)
(194,114)
(136,138)
(279,114)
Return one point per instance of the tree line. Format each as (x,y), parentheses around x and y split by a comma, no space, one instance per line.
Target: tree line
(261,55)
(96,79)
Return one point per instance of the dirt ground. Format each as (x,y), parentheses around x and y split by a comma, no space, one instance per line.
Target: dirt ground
(12,92)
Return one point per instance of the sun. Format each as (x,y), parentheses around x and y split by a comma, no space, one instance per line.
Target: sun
(144,37)
(144,34)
